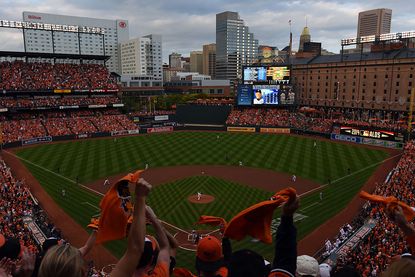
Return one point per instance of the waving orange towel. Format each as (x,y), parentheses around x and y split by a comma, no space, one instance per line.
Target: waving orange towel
(392,201)
(182,272)
(213,221)
(256,220)
(116,208)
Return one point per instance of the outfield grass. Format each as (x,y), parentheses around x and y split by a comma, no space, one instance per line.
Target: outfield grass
(55,165)
(93,159)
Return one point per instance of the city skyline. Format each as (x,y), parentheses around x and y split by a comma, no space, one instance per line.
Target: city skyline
(187,26)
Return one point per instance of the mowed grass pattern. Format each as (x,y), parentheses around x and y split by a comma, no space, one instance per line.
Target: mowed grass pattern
(55,165)
(92,159)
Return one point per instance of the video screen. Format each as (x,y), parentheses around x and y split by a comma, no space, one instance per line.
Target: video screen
(278,74)
(272,95)
(244,95)
(255,74)
(265,95)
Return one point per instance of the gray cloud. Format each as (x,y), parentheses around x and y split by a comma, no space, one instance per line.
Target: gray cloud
(187,25)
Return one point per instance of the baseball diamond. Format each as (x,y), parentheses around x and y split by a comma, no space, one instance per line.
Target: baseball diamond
(269,162)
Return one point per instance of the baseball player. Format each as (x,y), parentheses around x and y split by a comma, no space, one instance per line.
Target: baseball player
(294,178)
(63,192)
(106,182)
(199,196)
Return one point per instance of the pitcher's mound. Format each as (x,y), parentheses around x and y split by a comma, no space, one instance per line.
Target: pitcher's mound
(205,198)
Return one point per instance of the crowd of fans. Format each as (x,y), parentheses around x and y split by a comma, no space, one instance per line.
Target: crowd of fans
(279,118)
(311,120)
(375,253)
(64,123)
(17,203)
(22,76)
(56,101)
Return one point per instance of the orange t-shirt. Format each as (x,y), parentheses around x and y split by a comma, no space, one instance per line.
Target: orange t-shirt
(160,270)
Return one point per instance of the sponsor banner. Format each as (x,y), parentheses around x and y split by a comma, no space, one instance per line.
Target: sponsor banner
(161,117)
(97,106)
(68,107)
(118,105)
(81,136)
(119,133)
(275,130)
(160,129)
(103,90)
(124,132)
(3,110)
(133,132)
(62,90)
(36,140)
(382,143)
(241,129)
(346,138)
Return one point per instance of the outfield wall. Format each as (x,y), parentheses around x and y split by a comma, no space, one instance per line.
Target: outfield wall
(368,141)
(178,127)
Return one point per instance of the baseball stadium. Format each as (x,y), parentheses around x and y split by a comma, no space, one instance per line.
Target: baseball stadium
(74,138)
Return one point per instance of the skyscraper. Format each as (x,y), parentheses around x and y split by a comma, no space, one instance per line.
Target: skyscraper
(209,60)
(374,22)
(196,61)
(235,46)
(142,56)
(175,60)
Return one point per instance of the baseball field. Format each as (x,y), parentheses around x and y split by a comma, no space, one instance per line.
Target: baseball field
(79,167)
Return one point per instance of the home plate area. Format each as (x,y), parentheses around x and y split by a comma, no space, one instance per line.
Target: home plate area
(188,240)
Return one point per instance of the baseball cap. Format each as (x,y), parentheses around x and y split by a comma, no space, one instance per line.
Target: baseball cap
(307,265)
(209,254)
(325,270)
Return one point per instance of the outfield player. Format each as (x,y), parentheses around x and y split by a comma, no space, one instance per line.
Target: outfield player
(315,143)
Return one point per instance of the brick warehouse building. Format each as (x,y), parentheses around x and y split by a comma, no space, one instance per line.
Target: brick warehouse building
(376,80)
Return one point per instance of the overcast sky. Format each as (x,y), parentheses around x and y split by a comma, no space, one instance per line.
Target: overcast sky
(186,25)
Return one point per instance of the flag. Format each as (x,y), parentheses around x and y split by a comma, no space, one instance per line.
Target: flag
(256,220)
(408,212)
(116,208)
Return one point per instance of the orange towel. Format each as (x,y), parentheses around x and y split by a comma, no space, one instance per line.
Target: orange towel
(182,272)
(211,220)
(392,201)
(116,208)
(256,220)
